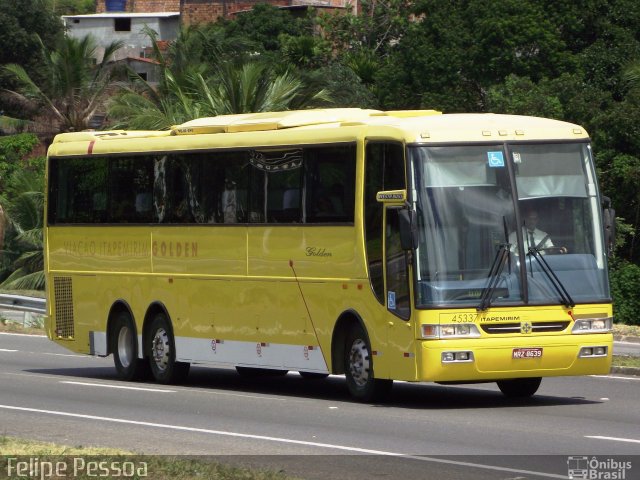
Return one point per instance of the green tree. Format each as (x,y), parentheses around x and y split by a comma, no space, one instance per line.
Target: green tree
(456,51)
(73,7)
(625,284)
(264,25)
(21,23)
(521,96)
(13,150)
(377,27)
(345,88)
(16,163)
(364,41)
(21,260)
(75,88)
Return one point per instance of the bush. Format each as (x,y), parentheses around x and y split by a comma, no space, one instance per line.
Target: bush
(625,289)
(13,152)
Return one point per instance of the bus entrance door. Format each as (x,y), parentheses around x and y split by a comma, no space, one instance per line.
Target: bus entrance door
(401,344)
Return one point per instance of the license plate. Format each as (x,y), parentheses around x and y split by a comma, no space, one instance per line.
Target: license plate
(526,353)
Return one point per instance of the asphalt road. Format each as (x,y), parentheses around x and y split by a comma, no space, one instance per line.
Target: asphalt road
(312,429)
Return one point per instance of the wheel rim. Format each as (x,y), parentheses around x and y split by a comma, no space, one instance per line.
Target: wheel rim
(359,364)
(125,346)
(160,349)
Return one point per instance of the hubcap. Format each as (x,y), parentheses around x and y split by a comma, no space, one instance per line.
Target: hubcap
(160,349)
(125,346)
(359,364)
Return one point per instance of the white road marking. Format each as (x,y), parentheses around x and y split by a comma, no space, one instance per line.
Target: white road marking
(122,387)
(60,354)
(616,377)
(281,440)
(615,439)
(6,350)
(23,335)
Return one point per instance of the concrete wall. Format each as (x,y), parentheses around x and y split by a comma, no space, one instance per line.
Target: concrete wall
(103,28)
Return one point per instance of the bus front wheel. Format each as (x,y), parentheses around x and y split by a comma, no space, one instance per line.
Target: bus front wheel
(124,345)
(358,368)
(519,387)
(161,350)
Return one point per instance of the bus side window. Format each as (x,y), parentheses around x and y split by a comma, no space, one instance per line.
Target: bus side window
(130,190)
(330,184)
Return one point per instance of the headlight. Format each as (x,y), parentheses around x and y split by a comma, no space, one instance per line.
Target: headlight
(450,331)
(593,325)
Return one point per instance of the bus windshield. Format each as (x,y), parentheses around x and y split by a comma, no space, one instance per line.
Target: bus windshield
(523,218)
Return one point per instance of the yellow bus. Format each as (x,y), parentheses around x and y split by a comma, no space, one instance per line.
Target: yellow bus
(399,245)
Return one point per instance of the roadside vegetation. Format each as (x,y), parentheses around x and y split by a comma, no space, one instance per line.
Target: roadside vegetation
(157,467)
(626,361)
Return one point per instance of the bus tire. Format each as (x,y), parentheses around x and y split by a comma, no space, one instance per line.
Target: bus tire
(359,369)
(161,350)
(313,375)
(124,345)
(519,387)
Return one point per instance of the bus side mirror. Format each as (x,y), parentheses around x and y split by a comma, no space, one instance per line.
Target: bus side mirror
(609,224)
(408,229)
(609,217)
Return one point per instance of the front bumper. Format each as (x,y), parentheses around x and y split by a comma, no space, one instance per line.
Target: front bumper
(492,358)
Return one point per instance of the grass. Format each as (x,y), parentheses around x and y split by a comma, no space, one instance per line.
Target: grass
(626,330)
(626,361)
(143,466)
(13,327)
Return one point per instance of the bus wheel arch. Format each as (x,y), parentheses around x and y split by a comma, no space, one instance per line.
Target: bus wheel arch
(343,326)
(122,341)
(118,307)
(159,346)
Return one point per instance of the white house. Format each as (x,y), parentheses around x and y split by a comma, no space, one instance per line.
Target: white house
(127,27)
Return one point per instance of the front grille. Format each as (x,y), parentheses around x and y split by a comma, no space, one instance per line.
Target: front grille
(540,327)
(63,297)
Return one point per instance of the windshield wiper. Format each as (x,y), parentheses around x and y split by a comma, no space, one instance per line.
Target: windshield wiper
(499,261)
(565,298)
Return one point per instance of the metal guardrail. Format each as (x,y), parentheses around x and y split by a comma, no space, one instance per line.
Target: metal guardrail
(23,304)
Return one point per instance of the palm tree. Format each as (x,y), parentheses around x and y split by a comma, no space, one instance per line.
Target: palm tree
(76,87)
(22,261)
(632,74)
(200,88)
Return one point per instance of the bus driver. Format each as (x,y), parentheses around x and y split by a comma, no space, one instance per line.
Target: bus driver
(532,236)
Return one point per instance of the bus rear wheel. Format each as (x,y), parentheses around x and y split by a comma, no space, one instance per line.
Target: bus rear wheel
(358,367)
(161,351)
(519,387)
(124,345)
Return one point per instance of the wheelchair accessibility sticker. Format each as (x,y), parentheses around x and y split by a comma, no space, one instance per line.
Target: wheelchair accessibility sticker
(496,159)
(391,300)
